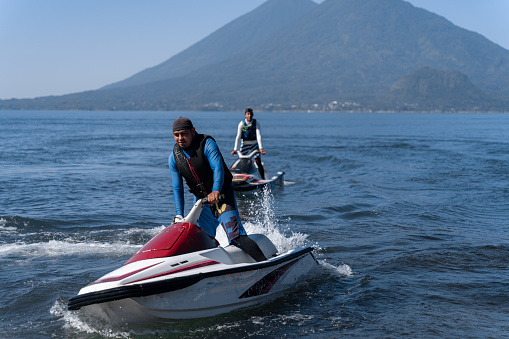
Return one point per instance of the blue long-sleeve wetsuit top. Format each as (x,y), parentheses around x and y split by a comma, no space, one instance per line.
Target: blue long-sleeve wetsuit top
(213,156)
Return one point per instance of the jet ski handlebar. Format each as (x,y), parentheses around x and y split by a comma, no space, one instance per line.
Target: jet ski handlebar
(195,212)
(250,155)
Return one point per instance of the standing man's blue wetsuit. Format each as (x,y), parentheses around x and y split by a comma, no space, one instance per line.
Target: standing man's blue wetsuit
(197,159)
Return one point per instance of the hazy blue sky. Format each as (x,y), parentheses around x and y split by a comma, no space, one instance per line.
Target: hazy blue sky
(53,47)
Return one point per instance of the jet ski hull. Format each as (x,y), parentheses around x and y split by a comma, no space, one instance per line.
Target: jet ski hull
(184,273)
(246,182)
(202,294)
(246,174)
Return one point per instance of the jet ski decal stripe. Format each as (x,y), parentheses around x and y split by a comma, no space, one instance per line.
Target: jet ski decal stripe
(178,270)
(123,276)
(264,285)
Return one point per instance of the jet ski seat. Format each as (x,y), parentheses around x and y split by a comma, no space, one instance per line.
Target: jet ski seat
(265,245)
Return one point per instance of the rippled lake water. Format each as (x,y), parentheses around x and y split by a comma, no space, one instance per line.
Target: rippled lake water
(408,215)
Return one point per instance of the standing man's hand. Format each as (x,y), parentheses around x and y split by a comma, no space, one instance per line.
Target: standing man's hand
(234,152)
(262,151)
(213,197)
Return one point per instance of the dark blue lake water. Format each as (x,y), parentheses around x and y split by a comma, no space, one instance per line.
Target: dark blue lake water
(408,213)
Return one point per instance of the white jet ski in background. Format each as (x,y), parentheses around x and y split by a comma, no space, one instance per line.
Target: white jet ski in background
(246,175)
(183,273)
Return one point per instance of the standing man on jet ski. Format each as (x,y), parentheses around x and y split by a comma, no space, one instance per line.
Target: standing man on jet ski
(197,159)
(249,131)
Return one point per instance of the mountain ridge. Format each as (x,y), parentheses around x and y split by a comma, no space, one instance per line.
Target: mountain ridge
(343,51)
(228,40)
(432,89)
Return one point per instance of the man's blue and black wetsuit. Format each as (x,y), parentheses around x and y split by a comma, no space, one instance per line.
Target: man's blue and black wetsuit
(203,168)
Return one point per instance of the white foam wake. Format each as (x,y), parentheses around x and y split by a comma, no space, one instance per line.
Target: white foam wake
(55,248)
(73,321)
(262,219)
(341,270)
(73,244)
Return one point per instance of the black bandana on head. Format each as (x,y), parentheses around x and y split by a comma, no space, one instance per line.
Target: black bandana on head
(181,124)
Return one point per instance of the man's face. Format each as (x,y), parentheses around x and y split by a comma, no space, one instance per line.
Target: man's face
(249,116)
(184,137)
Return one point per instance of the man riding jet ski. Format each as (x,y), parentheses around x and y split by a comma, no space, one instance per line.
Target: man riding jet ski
(250,139)
(183,273)
(249,171)
(197,159)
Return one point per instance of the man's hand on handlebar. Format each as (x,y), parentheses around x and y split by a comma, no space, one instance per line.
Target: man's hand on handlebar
(177,219)
(213,197)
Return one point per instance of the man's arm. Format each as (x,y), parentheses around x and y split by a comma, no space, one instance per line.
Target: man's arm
(237,139)
(213,155)
(259,138)
(178,186)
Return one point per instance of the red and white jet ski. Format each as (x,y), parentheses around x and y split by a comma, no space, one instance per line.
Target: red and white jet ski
(183,273)
(246,175)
